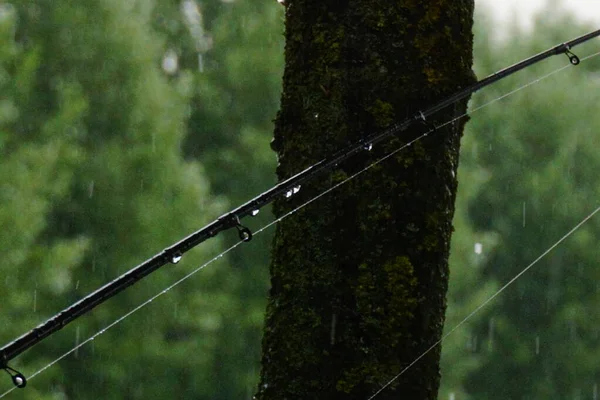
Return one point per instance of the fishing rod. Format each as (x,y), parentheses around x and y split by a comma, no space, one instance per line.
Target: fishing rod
(232,219)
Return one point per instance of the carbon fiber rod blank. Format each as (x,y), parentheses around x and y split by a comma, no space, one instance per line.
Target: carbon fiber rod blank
(232,219)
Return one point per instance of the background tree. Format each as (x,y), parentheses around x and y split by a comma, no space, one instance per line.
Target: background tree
(36,166)
(534,158)
(359,279)
(103,129)
(107,155)
(229,130)
(128,125)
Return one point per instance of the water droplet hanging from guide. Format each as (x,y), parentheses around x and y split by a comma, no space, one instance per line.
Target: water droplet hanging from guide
(19,380)
(175,258)
(245,236)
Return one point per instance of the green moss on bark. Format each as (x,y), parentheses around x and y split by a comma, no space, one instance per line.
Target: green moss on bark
(359,277)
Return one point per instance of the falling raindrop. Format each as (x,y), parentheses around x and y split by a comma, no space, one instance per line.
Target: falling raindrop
(255,212)
(77,342)
(170,62)
(524,213)
(537,345)
(175,258)
(474,343)
(595,392)
(491,334)
(573,330)
(333,327)
(91,189)
(368,146)
(478,248)
(200,62)
(34,300)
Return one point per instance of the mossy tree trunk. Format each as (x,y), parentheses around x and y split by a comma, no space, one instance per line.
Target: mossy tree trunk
(359,277)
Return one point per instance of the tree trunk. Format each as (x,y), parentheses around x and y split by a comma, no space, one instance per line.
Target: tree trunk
(359,277)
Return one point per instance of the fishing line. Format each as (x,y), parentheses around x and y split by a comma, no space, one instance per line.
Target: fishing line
(120,319)
(489,299)
(510,282)
(405,145)
(320,195)
(232,219)
(533,82)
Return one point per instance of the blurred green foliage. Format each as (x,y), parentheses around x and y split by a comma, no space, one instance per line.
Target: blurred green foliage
(105,155)
(527,177)
(125,125)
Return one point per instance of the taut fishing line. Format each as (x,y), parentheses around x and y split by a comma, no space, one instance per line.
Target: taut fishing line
(128,314)
(232,219)
(325,192)
(488,300)
(517,276)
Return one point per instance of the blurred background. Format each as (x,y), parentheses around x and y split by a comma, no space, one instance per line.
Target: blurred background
(126,125)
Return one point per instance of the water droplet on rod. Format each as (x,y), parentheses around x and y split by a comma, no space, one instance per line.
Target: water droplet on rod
(255,212)
(175,258)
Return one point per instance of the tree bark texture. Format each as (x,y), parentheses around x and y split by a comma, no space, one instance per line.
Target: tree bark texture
(359,277)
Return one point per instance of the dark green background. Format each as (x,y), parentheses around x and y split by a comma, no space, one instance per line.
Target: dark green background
(105,159)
